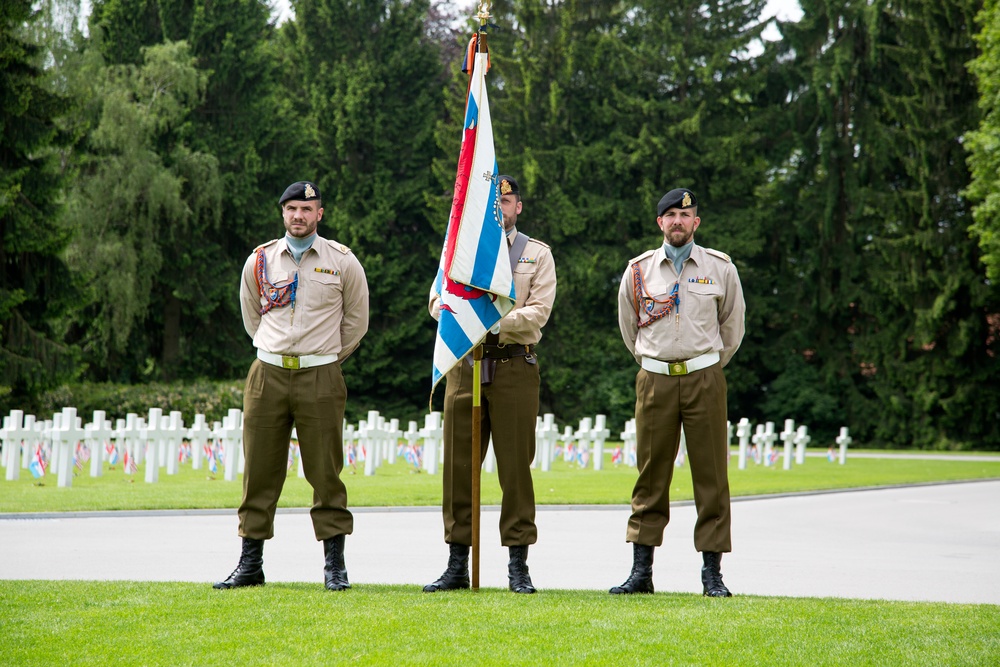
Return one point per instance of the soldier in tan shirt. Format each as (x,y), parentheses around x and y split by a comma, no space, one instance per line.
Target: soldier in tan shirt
(509,401)
(681,315)
(305,304)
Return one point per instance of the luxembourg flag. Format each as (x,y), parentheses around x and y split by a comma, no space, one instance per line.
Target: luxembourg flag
(112,451)
(37,465)
(474,280)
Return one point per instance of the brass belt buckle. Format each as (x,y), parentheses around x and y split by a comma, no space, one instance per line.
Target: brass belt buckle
(679,368)
(290,362)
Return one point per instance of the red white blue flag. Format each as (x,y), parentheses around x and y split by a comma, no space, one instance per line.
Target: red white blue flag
(37,464)
(474,280)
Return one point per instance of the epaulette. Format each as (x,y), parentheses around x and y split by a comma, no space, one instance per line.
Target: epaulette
(719,254)
(264,245)
(339,246)
(541,243)
(641,257)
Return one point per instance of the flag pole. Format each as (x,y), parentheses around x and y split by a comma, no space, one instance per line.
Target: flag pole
(477,355)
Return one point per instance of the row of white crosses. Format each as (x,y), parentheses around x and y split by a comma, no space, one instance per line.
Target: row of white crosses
(376,440)
(156,440)
(159,438)
(793,440)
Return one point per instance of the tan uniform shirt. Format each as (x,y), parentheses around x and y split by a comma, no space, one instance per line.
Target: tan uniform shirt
(535,289)
(710,317)
(330,315)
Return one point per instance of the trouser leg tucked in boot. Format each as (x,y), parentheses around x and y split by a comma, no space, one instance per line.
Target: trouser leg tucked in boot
(517,570)
(334,571)
(640,579)
(457,574)
(250,570)
(711,576)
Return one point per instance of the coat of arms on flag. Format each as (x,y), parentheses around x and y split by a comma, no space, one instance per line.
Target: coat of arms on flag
(474,282)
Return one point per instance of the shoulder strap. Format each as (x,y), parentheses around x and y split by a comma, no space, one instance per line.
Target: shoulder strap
(516,248)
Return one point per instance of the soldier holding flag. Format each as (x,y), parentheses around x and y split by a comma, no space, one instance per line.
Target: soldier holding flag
(510,381)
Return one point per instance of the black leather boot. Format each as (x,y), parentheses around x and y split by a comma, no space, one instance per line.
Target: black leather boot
(711,576)
(640,579)
(335,572)
(250,570)
(456,576)
(517,570)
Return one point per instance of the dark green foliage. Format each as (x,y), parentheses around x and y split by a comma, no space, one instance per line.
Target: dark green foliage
(830,166)
(984,189)
(208,397)
(35,286)
(372,81)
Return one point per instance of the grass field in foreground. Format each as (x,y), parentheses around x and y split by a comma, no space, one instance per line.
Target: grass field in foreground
(115,623)
(399,485)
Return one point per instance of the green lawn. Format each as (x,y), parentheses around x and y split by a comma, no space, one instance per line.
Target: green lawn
(101,624)
(135,623)
(398,485)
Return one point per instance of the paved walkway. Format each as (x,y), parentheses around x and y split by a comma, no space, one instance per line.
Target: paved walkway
(934,542)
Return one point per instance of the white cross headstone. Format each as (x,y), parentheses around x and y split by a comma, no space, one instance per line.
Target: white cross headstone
(801,440)
(598,435)
(567,444)
(231,437)
(30,440)
(175,440)
(412,436)
(369,441)
(134,424)
(743,435)
(432,433)
(154,436)
(769,437)
(547,436)
(199,434)
(582,437)
(98,433)
(844,440)
(628,437)
(392,436)
(788,439)
(15,432)
(69,434)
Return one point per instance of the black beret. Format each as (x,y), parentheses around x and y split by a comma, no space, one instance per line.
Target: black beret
(677,198)
(301,191)
(508,186)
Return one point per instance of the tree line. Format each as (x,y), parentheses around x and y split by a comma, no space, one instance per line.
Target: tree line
(849,168)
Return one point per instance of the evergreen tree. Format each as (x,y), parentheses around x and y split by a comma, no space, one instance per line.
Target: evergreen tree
(126,27)
(142,194)
(372,80)
(599,108)
(932,368)
(35,287)
(984,159)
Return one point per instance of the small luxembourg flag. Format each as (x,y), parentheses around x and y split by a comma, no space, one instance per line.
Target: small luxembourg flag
(112,452)
(37,464)
(213,464)
(474,280)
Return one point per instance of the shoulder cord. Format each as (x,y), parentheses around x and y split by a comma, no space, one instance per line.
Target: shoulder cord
(672,302)
(277,297)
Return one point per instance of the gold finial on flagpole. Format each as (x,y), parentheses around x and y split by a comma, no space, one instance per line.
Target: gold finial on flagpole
(484,12)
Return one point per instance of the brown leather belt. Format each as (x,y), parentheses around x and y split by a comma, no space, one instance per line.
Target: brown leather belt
(507,351)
